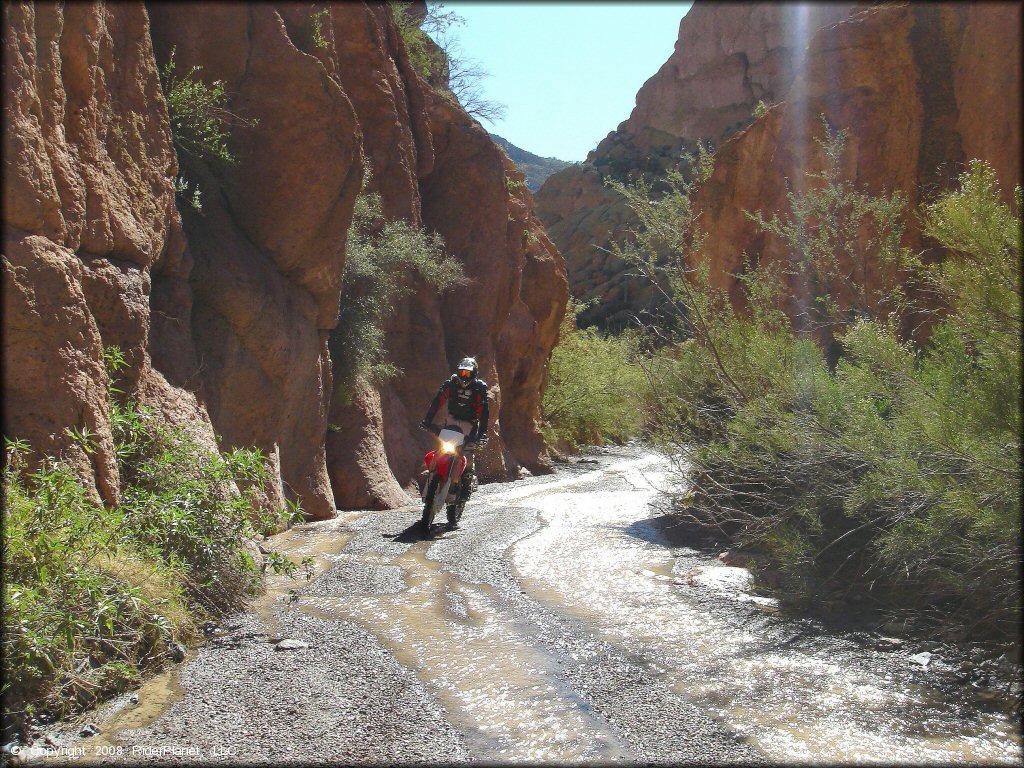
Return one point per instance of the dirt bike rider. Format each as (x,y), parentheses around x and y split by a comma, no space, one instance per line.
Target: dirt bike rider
(466,397)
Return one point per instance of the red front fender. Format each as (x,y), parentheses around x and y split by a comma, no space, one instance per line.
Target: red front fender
(443,463)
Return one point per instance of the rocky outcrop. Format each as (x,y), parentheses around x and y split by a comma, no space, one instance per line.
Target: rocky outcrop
(223,312)
(435,166)
(728,57)
(910,84)
(91,233)
(268,243)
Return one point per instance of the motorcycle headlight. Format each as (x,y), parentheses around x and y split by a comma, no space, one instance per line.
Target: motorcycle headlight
(447,447)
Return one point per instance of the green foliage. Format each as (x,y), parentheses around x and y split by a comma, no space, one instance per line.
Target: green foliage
(94,595)
(181,187)
(890,470)
(427,58)
(760,109)
(383,259)
(595,387)
(318,19)
(438,59)
(839,238)
(513,186)
(199,115)
(200,121)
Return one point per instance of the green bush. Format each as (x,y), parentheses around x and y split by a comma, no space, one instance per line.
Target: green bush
(93,596)
(382,261)
(200,122)
(888,469)
(596,386)
(427,58)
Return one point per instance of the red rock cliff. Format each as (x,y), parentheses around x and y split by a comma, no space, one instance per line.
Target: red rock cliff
(728,57)
(224,312)
(93,253)
(433,165)
(921,89)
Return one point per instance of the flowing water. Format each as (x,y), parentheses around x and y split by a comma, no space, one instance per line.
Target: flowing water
(819,699)
(559,623)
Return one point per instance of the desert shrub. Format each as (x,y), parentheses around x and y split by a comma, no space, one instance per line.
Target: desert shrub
(201,122)
(93,595)
(841,239)
(383,261)
(595,388)
(888,468)
(439,59)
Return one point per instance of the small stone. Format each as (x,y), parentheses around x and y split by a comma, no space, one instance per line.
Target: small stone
(924,658)
(735,559)
(966,666)
(50,741)
(134,698)
(90,730)
(290,645)
(177,652)
(888,644)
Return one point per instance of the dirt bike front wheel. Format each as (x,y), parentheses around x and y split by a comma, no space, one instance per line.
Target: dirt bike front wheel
(428,503)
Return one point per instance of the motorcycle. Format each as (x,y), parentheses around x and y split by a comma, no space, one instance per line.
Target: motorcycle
(445,466)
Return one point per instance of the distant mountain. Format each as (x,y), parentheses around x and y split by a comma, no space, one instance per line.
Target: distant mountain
(535,167)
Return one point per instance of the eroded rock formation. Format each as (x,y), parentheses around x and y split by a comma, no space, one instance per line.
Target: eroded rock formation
(224,313)
(433,165)
(728,57)
(920,88)
(909,83)
(92,238)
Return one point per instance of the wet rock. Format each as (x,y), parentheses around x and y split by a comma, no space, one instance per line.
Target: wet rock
(924,658)
(134,698)
(735,559)
(89,730)
(888,644)
(587,461)
(290,645)
(176,652)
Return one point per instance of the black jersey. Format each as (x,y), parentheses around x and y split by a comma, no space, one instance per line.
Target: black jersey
(467,401)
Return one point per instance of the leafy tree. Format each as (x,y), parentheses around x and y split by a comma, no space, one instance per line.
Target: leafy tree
(840,238)
(891,470)
(382,261)
(439,59)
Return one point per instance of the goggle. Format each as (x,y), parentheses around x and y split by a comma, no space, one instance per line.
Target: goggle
(465,373)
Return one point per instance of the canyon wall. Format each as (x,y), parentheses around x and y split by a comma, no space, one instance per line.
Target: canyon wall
(224,310)
(728,57)
(920,88)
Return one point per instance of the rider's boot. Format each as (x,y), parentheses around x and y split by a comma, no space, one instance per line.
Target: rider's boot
(467,484)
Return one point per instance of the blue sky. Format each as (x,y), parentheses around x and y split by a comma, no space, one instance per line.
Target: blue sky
(568,73)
